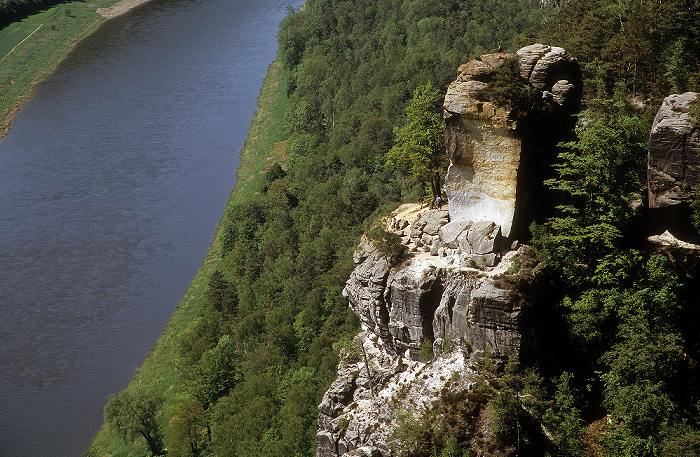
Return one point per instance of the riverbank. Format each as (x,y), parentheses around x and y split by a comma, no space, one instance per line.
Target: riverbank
(120,8)
(36,45)
(158,373)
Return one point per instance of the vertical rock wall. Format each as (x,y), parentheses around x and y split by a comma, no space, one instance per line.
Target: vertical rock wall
(674,142)
(673,167)
(490,164)
(455,288)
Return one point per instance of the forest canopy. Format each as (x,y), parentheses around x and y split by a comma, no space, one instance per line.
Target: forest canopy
(257,359)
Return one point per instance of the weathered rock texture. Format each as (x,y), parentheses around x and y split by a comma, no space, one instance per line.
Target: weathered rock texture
(358,418)
(451,286)
(485,140)
(674,163)
(453,289)
(673,167)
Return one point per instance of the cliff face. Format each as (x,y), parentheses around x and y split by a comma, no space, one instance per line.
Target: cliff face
(673,171)
(490,151)
(455,290)
(453,285)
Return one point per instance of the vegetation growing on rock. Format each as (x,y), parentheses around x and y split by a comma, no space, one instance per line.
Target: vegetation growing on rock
(617,323)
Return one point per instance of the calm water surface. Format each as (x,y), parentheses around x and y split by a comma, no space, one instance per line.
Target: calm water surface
(112,182)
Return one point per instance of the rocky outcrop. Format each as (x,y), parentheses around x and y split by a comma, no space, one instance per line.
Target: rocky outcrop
(673,166)
(452,292)
(553,71)
(674,163)
(490,149)
(449,286)
(358,417)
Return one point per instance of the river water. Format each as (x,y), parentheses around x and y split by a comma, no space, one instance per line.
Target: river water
(112,182)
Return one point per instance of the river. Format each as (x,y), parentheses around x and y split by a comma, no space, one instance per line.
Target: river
(112,182)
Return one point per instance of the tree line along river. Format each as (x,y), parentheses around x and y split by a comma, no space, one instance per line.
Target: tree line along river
(112,182)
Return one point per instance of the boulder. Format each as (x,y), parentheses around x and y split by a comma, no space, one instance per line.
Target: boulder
(434,220)
(449,232)
(481,238)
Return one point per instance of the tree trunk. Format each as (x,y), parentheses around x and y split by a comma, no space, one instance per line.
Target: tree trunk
(435,186)
(153,443)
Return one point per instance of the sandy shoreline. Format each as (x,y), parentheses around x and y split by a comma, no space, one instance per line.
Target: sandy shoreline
(120,8)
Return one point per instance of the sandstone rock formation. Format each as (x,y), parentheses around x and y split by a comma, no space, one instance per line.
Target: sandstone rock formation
(453,290)
(674,142)
(353,421)
(450,286)
(553,71)
(673,166)
(490,150)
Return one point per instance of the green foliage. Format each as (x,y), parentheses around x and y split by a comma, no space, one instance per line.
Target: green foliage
(451,449)
(273,174)
(135,414)
(646,47)
(695,212)
(349,350)
(565,417)
(386,242)
(620,304)
(11,10)
(267,344)
(421,147)
(411,434)
(599,174)
(508,88)
(448,344)
(425,353)
(215,373)
(187,430)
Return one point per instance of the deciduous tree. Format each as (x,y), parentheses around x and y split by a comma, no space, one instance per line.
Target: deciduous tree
(135,413)
(420,146)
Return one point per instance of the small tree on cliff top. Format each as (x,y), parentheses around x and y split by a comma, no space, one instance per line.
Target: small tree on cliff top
(420,146)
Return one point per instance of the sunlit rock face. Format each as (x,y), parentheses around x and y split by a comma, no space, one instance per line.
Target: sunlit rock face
(483,147)
(449,285)
(485,140)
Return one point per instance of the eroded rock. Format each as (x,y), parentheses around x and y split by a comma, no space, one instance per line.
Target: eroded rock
(674,163)
(484,140)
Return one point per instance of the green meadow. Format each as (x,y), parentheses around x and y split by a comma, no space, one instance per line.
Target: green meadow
(30,49)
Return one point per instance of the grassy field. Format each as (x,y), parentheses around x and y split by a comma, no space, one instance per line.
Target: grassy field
(262,148)
(30,49)
(15,33)
(265,144)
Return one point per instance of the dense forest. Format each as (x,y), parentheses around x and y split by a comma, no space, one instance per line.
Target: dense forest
(12,10)
(620,376)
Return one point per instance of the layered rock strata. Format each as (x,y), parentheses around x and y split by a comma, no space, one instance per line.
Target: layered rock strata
(673,171)
(448,286)
(451,291)
(490,156)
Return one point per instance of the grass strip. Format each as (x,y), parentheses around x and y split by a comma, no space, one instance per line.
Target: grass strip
(158,372)
(31,49)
